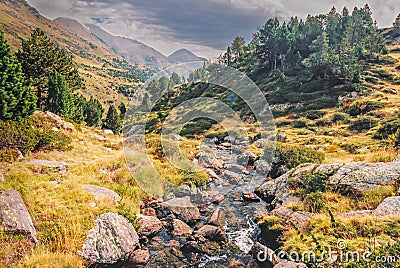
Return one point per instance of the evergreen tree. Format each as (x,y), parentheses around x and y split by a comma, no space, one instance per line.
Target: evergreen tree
(80,103)
(59,98)
(16,98)
(40,57)
(93,112)
(396,24)
(113,120)
(122,110)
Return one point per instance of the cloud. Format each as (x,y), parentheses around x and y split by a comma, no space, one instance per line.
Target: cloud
(207,26)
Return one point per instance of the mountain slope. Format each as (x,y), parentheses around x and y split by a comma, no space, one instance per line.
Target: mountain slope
(183,55)
(104,71)
(132,50)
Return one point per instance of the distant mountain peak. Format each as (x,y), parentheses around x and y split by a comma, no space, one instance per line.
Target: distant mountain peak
(184,55)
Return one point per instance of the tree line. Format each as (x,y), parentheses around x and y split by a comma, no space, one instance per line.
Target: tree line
(42,76)
(327,46)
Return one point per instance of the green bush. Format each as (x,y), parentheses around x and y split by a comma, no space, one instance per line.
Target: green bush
(314,114)
(363,124)
(339,117)
(292,156)
(323,122)
(299,123)
(26,138)
(387,128)
(360,108)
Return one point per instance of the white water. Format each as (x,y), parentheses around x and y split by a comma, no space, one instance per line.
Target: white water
(243,239)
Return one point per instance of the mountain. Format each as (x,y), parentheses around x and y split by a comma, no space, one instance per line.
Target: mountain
(183,55)
(132,50)
(103,70)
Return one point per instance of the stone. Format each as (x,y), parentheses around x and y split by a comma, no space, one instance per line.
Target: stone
(191,247)
(182,208)
(148,225)
(2,178)
(290,264)
(296,218)
(262,167)
(217,164)
(108,132)
(390,206)
(226,144)
(232,177)
(101,192)
(148,211)
(264,255)
(111,239)
(98,137)
(281,137)
(14,216)
(60,122)
(179,228)
(217,218)
(235,168)
(213,233)
(139,256)
(249,196)
(52,166)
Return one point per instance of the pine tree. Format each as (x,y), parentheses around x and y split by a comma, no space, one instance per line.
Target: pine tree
(113,120)
(93,112)
(122,110)
(80,103)
(396,24)
(16,98)
(59,98)
(40,57)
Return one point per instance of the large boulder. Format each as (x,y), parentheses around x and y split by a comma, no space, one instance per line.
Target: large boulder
(14,216)
(182,208)
(60,122)
(296,218)
(262,167)
(101,192)
(217,218)
(264,255)
(148,225)
(140,256)
(111,239)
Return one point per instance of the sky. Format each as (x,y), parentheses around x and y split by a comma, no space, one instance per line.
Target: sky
(206,27)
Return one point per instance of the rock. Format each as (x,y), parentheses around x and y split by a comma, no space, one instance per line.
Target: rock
(2,178)
(281,137)
(52,166)
(14,216)
(297,218)
(390,206)
(108,132)
(98,137)
(235,168)
(182,208)
(101,192)
(179,228)
(361,176)
(290,264)
(249,196)
(246,159)
(217,164)
(148,225)
(212,173)
(205,158)
(397,159)
(148,212)
(262,167)
(60,122)
(217,218)
(139,256)
(212,233)
(191,247)
(226,144)
(232,177)
(111,239)
(264,255)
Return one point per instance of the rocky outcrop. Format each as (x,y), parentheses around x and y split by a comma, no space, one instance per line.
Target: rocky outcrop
(14,216)
(390,206)
(47,165)
(111,239)
(101,192)
(139,256)
(355,177)
(148,225)
(60,122)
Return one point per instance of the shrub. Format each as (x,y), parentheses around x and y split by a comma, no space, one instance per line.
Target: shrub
(26,138)
(314,114)
(363,124)
(339,117)
(292,156)
(387,128)
(299,123)
(359,108)
(323,122)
